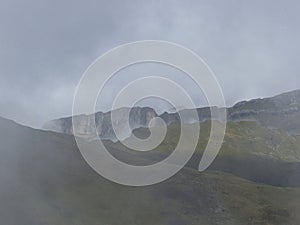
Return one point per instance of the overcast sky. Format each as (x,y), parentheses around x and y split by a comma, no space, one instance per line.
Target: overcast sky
(45,46)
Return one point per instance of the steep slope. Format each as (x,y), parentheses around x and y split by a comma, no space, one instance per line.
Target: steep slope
(256,153)
(249,150)
(44,180)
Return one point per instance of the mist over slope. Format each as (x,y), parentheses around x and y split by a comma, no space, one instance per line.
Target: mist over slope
(44,180)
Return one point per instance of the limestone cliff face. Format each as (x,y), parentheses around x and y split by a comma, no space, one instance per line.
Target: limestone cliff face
(138,117)
(281,111)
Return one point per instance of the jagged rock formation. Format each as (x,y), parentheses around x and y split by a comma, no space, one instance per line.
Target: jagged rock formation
(281,111)
(138,117)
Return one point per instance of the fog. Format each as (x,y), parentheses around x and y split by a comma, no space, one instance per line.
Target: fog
(45,46)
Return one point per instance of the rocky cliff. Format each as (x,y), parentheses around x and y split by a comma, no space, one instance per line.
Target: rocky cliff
(281,111)
(138,117)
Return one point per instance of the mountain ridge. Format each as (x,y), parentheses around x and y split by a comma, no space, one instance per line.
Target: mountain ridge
(281,112)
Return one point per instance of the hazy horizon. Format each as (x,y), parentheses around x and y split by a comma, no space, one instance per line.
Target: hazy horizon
(252,47)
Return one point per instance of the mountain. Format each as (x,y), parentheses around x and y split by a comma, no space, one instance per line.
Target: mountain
(44,180)
(279,112)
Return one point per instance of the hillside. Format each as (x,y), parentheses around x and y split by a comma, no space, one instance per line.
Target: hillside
(44,180)
(249,150)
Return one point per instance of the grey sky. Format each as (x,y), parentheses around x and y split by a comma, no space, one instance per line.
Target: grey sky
(45,46)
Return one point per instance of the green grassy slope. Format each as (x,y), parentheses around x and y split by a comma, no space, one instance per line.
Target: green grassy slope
(44,180)
(249,150)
